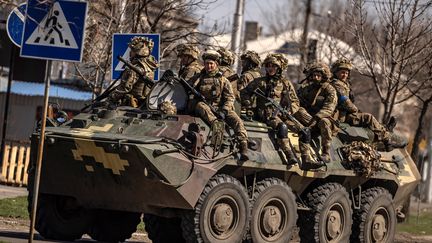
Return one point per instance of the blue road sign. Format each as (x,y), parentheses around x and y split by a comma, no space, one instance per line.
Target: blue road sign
(120,48)
(15,24)
(54,30)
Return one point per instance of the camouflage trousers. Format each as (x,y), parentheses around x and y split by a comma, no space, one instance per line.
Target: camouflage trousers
(304,119)
(326,127)
(369,121)
(231,118)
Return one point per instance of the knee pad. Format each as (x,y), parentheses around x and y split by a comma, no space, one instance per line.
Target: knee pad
(305,135)
(282,130)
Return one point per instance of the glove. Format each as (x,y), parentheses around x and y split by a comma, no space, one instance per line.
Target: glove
(222,114)
(313,122)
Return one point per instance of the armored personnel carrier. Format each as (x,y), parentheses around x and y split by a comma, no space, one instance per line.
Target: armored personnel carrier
(105,168)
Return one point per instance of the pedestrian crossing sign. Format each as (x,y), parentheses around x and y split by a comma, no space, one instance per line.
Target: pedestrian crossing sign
(120,47)
(54,30)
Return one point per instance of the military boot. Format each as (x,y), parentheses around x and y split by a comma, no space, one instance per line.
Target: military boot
(243,148)
(394,140)
(308,163)
(325,154)
(286,149)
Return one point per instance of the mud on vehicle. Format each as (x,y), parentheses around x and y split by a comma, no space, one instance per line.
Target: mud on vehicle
(104,168)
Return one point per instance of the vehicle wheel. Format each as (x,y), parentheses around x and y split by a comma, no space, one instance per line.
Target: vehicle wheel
(60,218)
(221,214)
(157,228)
(330,217)
(114,226)
(274,212)
(375,221)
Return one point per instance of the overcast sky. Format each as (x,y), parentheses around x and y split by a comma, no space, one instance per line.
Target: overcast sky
(222,12)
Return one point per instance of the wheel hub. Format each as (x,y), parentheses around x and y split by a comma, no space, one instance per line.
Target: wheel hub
(379,227)
(271,220)
(222,217)
(334,224)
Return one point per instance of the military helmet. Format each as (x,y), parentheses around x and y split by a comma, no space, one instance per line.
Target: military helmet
(277,59)
(138,43)
(342,63)
(227,56)
(188,49)
(318,67)
(211,55)
(252,56)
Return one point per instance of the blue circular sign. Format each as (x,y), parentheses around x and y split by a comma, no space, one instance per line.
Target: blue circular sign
(15,24)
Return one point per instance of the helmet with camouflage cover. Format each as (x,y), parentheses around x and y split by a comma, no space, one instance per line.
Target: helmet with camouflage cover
(211,55)
(188,49)
(318,67)
(251,56)
(342,63)
(138,44)
(276,59)
(227,57)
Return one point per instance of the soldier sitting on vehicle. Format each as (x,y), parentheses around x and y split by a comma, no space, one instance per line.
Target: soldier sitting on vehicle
(319,98)
(349,113)
(134,87)
(189,65)
(218,94)
(276,87)
(250,62)
(225,67)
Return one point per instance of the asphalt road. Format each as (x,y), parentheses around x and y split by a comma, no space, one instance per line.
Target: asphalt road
(10,191)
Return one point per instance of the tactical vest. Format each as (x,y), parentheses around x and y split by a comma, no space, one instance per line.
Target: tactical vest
(211,88)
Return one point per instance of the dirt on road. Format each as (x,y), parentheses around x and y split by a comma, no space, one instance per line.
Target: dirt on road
(22,225)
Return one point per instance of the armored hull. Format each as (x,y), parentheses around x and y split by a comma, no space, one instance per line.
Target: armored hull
(103,169)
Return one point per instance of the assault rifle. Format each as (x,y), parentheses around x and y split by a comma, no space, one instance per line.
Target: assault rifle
(146,79)
(277,106)
(233,77)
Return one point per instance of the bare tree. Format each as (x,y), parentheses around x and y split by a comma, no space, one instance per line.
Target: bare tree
(392,50)
(424,95)
(174,20)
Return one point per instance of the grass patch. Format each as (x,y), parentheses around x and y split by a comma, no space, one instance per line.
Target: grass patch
(420,227)
(14,207)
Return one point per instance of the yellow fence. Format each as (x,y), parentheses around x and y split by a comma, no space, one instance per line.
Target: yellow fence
(16,160)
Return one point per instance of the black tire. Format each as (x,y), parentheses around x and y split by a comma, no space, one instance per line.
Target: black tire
(59,218)
(223,196)
(330,218)
(163,230)
(114,226)
(272,196)
(375,221)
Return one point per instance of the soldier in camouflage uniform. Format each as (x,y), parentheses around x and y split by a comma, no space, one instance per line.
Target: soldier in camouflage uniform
(275,86)
(133,89)
(348,111)
(250,62)
(189,65)
(225,67)
(219,94)
(319,98)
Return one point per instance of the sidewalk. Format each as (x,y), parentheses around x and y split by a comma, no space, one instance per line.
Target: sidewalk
(11,191)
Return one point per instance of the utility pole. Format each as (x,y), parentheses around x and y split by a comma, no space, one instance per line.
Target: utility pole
(303,51)
(428,181)
(237,30)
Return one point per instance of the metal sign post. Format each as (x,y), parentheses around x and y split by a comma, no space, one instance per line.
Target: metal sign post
(40,152)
